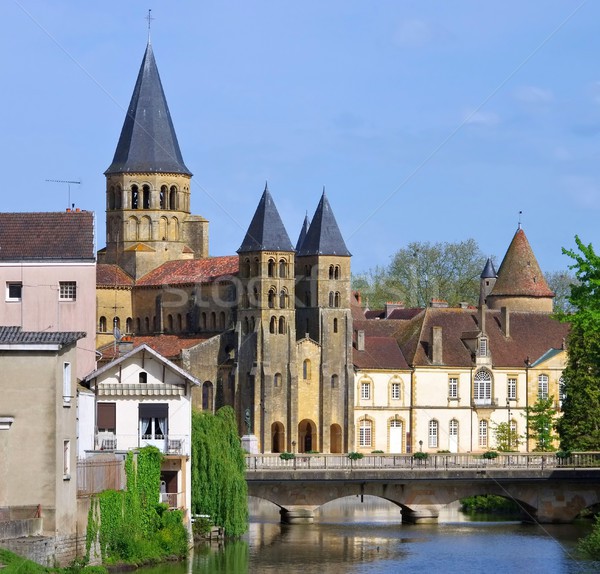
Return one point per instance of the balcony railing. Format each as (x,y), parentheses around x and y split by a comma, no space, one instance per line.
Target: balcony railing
(169,444)
(172,499)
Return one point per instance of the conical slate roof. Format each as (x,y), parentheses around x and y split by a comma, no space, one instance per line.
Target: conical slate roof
(323,236)
(520,273)
(266,231)
(303,232)
(148,143)
(488,271)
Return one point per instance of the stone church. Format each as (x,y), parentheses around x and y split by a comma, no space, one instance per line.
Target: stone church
(268,331)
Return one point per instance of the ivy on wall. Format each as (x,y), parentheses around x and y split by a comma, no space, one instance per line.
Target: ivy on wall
(219,487)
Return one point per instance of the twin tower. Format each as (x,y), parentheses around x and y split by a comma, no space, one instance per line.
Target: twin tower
(282,353)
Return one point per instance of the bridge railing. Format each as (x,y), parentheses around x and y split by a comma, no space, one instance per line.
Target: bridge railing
(433,461)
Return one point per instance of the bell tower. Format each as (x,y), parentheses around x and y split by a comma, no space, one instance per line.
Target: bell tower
(148,219)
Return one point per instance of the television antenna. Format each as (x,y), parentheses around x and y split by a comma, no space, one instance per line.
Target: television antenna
(69,182)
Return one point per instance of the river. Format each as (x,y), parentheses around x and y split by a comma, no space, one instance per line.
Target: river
(353,537)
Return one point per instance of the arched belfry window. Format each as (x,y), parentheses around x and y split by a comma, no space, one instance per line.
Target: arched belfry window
(283,299)
(163,196)
(271,298)
(331,272)
(273,325)
(331,299)
(271,268)
(146,197)
(134,196)
(102,325)
(282,325)
(336,299)
(173,198)
(336,272)
(283,268)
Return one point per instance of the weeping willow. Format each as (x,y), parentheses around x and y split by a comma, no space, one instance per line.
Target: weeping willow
(218,471)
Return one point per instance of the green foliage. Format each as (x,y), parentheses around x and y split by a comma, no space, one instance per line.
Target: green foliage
(490,454)
(219,486)
(541,424)
(488,503)
(590,545)
(355,455)
(579,427)
(131,526)
(376,452)
(422,271)
(15,564)
(507,439)
(287,456)
(312,452)
(420,455)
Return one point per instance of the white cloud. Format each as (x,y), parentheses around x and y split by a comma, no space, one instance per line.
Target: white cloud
(533,95)
(413,33)
(481,118)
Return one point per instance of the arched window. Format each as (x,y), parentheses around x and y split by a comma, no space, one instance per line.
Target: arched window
(143,377)
(129,325)
(331,272)
(365,433)
(207,396)
(283,268)
(482,388)
(483,434)
(255,267)
(336,272)
(116,323)
(163,196)
(271,298)
(179,326)
(331,299)
(273,325)
(335,325)
(245,268)
(213,321)
(134,197)
(542,387)
(170,323)
(433,434)
(306,369)
(147,324)
(138,325)
(283,299)
(336,299)
(271,268)
(277,380)
(146,196)
(335,381)
(173,198)
(282,325)
(203,321)
(102,325)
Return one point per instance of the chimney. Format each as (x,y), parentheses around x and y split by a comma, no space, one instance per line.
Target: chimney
(482,313)
(436,346)
(505,321)
(391,306)
(438,304)
(360,340)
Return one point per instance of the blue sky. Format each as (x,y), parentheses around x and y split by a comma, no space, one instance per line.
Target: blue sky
(434,121)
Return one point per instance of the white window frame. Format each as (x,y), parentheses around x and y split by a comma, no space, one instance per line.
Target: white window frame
(543,387)
(66,460)
(10,284)
(511,388)
(396,391)
(433,433)
(482,388)
(365,433)
(67,290)
(483,347)
(483,434)
(365,390)
(453,388)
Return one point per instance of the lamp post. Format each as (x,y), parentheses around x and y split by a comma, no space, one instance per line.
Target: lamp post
(294,446)
(420,446)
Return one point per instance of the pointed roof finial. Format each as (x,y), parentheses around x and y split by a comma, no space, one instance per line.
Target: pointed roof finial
(520,213)
(149,18)
(266,185)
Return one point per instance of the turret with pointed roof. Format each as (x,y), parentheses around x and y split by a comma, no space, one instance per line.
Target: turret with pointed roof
(303,232)
(487,280)
(148,219)
(520,284)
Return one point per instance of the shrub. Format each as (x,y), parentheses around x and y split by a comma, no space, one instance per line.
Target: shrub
(563,454)
(420,455)
(355,455)
(377,452)
(287,456)
(312,452)
(490,454)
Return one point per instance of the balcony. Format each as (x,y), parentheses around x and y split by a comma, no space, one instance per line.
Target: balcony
(487,402)
(172,499)
(170,444)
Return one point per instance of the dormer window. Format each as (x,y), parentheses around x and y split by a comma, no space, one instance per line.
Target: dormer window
(143,378)
(483,347)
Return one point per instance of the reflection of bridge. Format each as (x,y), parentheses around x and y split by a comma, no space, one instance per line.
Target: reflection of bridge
(547,488)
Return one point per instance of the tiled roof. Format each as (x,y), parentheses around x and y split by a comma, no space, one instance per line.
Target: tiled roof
(266,231)
(398,314)
(303,232)
(14,335)
(520,274)
(169,346)
(531,335)
(47,236)
(380,353)
(323,236)
(190,271)
(110,275)
(148,142)
(489,272)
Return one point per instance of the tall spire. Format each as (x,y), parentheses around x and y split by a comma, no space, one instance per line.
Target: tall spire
(148,143)
(323,236)
(303,232)
(266,231)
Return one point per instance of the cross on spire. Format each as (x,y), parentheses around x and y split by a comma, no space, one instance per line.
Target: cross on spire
(149,18)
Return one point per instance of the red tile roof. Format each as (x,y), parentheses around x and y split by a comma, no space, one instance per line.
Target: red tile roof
(109,275)
(380,353)
(190,271)
(519,272)
(43,236)
(169,346)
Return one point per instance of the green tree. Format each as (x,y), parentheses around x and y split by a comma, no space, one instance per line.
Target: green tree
(507,439)
(579,427)
(560,282)
(541,424)
(422,271)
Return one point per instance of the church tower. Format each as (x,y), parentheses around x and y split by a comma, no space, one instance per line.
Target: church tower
(520,284)
(266,329)
(148,219)
(487,280)
(323,316)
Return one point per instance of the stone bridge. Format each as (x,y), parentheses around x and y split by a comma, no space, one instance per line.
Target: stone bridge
(545,491)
